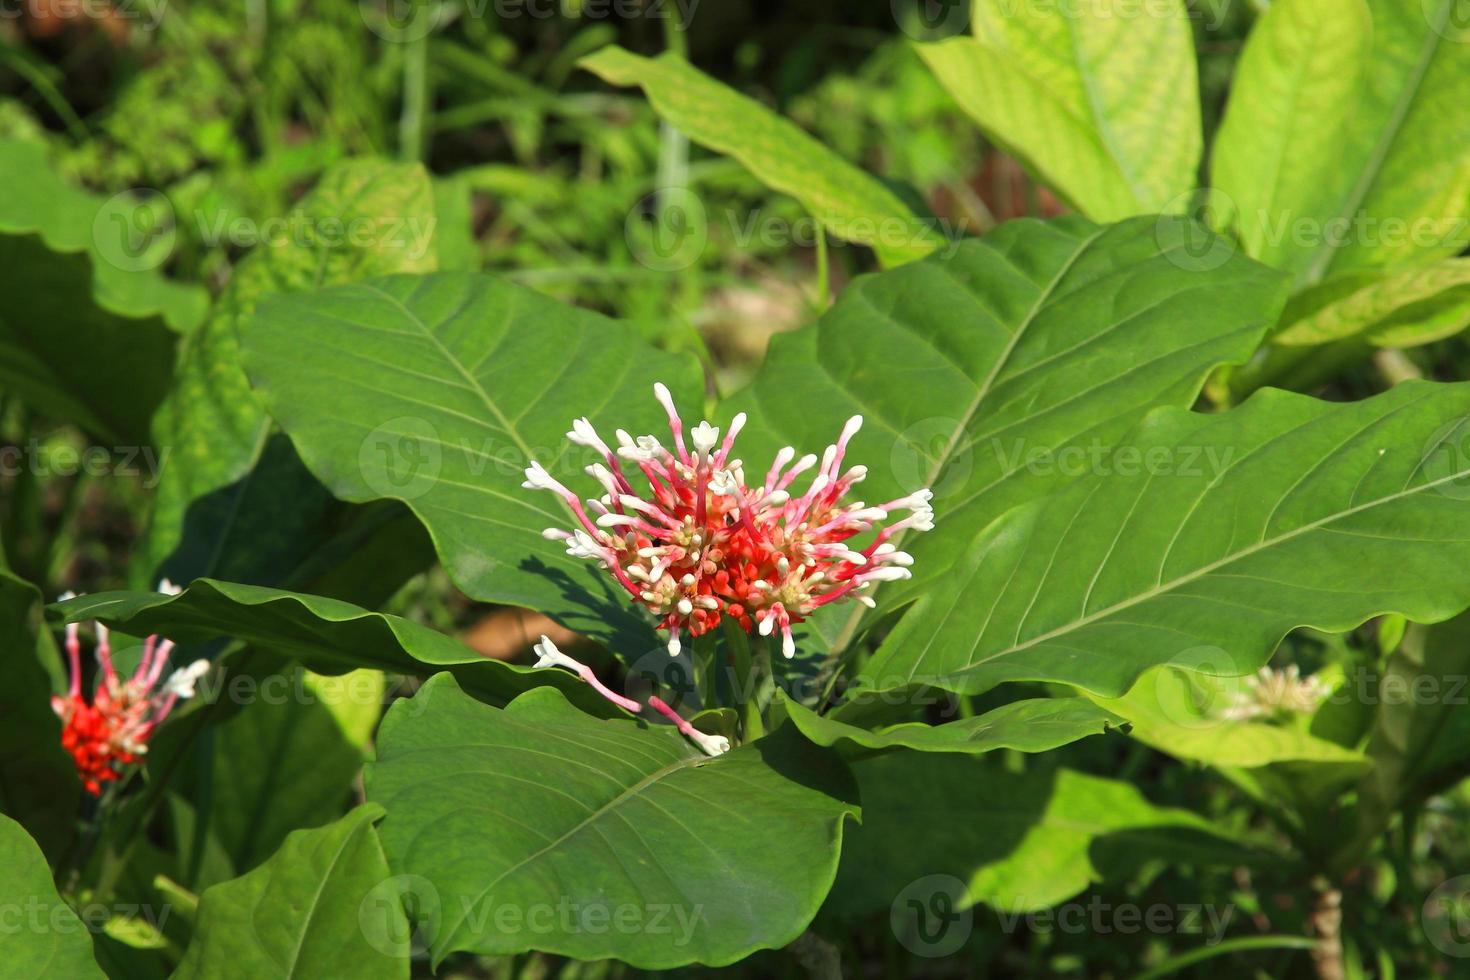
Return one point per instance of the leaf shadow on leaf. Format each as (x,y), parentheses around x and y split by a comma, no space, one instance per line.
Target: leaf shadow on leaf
(633,637)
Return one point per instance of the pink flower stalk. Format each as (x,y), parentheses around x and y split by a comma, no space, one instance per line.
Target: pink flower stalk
(699,543)
(547,655)
(113,729)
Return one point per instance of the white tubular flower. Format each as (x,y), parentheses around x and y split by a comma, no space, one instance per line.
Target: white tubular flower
(182,681)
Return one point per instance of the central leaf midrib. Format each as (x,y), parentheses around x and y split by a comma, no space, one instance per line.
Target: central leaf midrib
(1206,569)
(627,794)
(849,627)
(511,431)
(1373,166)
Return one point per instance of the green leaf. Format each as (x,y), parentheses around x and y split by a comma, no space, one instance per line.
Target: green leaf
(1277,156)
(852,204)
(982,374)
(328,636)
(315,909)
(1183,713)
(1206,538)
(44,938)
(38,781)
(227,488)
(438,391)
(109,369)
(1402,309)
(1035,725)
(538,827)
(1098,100)
(68,221)
(288,760)
(1018,841)
(1407,149)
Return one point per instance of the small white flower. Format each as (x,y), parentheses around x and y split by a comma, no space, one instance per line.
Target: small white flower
(704,437)
(181,682)
(710,744)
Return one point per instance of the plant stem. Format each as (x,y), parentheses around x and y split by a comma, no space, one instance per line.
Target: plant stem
(747,672)
(1326,926)
(1173,965)
(822,295)
(411,143)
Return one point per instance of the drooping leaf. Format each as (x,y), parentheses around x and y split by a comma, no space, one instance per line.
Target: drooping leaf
(1400,309)
(1019,841)
(1407,148)
(317,908)
(1277,157)
(44,938)
(853,205)
(1098,100)
(997,374)
(327,635)
(1034,725)
(1186,713)
(541,828)
(1208,537)
(227,485)
(438,391)
(38,781)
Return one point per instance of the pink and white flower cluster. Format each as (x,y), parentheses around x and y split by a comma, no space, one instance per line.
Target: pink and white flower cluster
(694,541)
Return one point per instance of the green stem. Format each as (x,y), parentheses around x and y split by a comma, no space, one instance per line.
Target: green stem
(1174,964)
(822,296)
(411,143)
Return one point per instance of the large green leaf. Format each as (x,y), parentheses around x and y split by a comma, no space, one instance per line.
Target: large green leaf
(538,827)
(327,635)
(1205,539)
(1018,841)
(1398,309)
(852,204)
(38,781)
(1033,725)
(228,488)
(1277,157)
(1407,148)
(318,908)
(1098,100)
(980,375)
(439,391)
(44,938)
